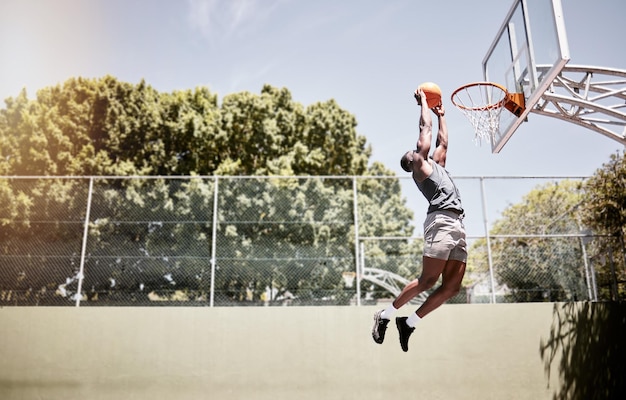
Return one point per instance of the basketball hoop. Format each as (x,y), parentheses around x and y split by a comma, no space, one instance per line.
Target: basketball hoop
(348,278)
(482,103)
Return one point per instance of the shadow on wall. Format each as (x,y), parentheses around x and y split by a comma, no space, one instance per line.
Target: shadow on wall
(588,341)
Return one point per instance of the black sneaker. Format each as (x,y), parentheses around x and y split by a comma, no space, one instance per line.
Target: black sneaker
(405,332)
(380,327)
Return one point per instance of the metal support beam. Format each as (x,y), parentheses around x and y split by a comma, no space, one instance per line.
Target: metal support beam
(591,97)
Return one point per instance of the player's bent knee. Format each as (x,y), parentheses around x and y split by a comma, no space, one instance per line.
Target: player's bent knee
(428,282)
(451,290)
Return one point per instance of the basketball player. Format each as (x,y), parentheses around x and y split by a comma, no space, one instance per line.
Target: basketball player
(445,252)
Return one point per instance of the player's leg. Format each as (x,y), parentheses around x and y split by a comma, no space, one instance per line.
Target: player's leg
(444,250)
(438,244)
(449,240)
(431,270)
(451,283)
(452,277)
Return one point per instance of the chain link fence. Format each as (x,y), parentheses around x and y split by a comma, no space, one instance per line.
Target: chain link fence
(255,241)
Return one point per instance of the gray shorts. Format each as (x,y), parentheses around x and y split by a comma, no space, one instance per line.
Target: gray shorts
(444,236)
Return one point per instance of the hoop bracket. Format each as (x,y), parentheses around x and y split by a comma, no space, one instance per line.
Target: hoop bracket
(515,103)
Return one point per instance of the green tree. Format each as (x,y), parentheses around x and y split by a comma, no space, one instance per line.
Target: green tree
(532,264)
(604,212)
(294,235)
(383,214)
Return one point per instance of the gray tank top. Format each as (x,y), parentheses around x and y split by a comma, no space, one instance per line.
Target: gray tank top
(440,191)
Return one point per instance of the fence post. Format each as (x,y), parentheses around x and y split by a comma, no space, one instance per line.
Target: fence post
(84,246)
(486,225)
(583,247)
(594,283)
(356,241)
(213,245)
(614,287)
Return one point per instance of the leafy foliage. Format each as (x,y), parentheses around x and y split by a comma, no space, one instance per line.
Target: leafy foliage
(604,212)
(528,260)
(142,230)
(532,266)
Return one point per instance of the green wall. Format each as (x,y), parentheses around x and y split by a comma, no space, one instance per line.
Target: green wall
(458,352)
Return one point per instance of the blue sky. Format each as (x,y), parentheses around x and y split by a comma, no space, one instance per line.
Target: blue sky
(367,55)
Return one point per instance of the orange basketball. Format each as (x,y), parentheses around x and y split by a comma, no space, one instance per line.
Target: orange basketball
(432,92)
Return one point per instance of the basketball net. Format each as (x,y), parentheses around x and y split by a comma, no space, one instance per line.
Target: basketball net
(482,103)
(348,278)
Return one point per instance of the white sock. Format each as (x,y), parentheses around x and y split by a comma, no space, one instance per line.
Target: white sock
(388,312)
(412,320)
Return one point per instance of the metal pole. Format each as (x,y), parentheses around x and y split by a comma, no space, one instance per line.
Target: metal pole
(84,246)
(583,248)
(594,284)
(213,245)
(586,266)
(361,270)
(356,241)
(614,292)
(486,225)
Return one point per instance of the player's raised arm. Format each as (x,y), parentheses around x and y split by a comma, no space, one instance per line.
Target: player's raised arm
(441,151)
(426,125)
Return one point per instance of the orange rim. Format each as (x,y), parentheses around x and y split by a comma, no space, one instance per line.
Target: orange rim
(490,106)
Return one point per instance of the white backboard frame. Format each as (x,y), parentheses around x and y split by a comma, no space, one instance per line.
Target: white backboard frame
(532,34)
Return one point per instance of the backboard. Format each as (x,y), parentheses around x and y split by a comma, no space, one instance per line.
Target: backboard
(527,54)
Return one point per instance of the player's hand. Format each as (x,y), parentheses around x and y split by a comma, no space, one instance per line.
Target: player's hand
(420,96)
(439,110)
